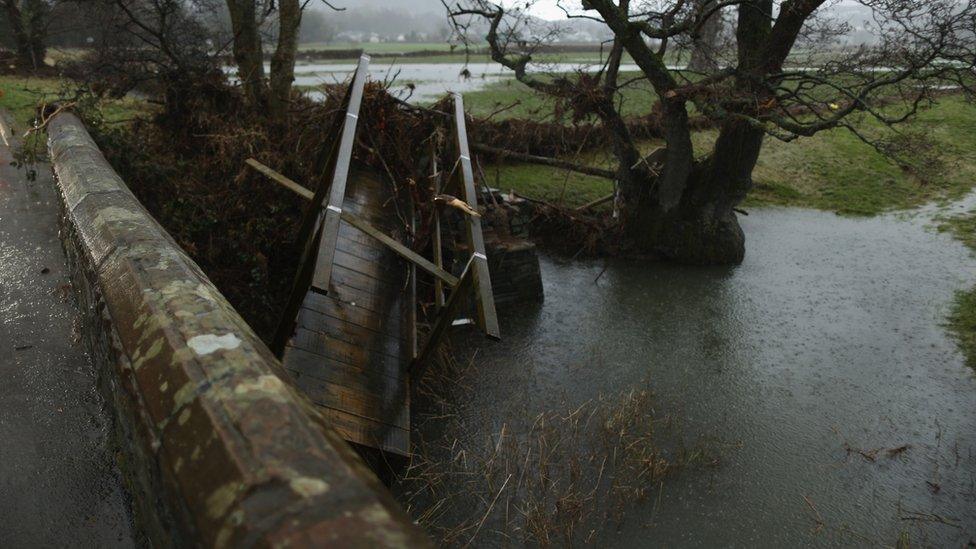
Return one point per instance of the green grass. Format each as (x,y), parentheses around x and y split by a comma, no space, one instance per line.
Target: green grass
(549,184)
(380,47)
(962,317)
(962,324)
(21,94)
(836,171)
(512,99)
(832,170)
(963,227)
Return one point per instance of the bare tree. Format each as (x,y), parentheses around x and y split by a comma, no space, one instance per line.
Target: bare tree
(248,50)
(28,21)
(283,61)
(171,36)
(787,77)
(247,17)
(706,41)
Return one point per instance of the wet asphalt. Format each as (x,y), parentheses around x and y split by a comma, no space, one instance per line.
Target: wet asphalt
(60,485)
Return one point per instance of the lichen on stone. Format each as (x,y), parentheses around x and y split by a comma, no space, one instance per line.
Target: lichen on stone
(204,344)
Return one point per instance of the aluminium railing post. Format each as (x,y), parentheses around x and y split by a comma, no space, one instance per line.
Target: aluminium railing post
(484,300)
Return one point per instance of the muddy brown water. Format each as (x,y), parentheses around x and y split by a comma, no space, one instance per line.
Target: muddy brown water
(829,336)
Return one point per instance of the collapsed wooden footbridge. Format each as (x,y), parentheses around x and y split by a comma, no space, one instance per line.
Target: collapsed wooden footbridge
(348,333)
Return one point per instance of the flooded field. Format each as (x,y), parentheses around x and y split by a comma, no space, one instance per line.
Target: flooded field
(840,409)
(429,80)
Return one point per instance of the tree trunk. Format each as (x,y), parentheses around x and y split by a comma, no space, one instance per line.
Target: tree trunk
(247,49)
(706,43)
(283,61)
(27,19)
(686,213)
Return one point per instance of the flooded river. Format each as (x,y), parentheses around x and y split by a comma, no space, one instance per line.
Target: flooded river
(846,412)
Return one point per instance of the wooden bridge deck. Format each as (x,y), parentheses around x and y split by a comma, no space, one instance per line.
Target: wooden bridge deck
(348,332)
(352,347)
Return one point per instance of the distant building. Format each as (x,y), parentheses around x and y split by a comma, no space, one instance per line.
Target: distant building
(351,36)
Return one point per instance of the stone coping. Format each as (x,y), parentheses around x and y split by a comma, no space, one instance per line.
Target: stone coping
(219,448)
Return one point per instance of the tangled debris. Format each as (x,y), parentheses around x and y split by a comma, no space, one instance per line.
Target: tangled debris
(562,478)
(186,164)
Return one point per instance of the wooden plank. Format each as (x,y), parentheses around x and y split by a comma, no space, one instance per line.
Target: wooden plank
(365,252)
(360,223)
(309,363)
(356,400)
(281,179)
(355,279)
(400,249)
(487,317)
(364,226)
(337,191)
(437,244)
(326,164)
(369,432)
(411,302)
(353,314)
(372,269)
(350,333)
(350,236)
(356,323)
(330,347)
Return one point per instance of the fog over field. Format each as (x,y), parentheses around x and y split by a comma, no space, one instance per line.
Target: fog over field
(425,20)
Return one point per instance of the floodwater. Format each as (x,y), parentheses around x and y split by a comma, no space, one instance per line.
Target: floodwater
(829,336)
(429,80)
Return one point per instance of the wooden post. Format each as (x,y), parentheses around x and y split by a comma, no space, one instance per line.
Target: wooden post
(485,301)
(436,244)
(412,301)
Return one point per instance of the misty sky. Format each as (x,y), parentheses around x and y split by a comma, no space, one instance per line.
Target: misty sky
(548,9)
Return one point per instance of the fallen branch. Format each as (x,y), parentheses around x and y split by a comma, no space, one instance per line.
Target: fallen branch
(545,161)
(597,202)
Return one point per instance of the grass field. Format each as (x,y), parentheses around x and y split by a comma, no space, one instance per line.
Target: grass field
(380,47)
(833,170)
(21,94)
(962,318)
(477,55)
(512,99)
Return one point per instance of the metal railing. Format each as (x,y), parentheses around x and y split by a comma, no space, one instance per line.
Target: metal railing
(321,221)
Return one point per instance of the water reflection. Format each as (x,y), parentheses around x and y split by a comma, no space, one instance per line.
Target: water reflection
(826,342)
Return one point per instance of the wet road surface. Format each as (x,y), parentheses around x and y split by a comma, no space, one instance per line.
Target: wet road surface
(59,482)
